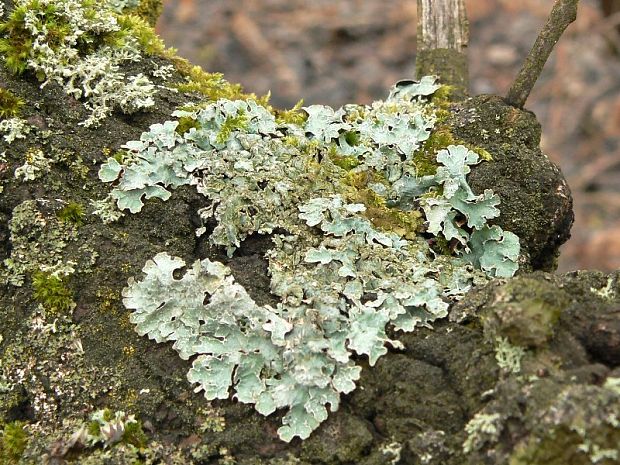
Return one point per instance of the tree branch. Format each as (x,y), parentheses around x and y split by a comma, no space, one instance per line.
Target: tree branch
(443,33)
(564,12)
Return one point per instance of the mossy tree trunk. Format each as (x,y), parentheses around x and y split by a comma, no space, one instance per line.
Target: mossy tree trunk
(443,34)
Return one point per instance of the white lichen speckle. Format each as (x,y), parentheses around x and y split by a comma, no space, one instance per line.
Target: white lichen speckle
(36,164)
(508,356)
(482,429)
(14,128)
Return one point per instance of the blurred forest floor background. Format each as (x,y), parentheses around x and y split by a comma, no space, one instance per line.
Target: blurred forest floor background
(339,51)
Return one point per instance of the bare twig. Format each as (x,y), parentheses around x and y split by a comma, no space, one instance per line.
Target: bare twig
(563,13)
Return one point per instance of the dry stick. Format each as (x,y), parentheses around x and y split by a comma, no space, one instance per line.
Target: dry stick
(563,13)
(443,33)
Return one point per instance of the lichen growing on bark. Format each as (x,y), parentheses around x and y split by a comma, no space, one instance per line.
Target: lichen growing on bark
(259,177)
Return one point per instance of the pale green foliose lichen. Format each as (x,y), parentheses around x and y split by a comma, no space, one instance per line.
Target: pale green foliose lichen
(341,276)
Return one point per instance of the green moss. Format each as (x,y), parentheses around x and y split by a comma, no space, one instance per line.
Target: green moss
(442,96)
(52,292)
(93,428)
(120,155)
(442,99)
(13,441)
(484,154)
(344,162)
(441,246)
(72,213)
(352,138)
(138,27)
(134,435)
(149,10)
(104,421)
(185,124)
(16,43)
(10,105)
(238,122)
(211,85)
(404,223)
(425,158)
(293,116)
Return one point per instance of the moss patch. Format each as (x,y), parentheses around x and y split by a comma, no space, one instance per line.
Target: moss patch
(10,105)
(13,441)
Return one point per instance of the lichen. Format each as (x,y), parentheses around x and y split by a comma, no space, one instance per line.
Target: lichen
(39,243)
(508,356)
(81,45)
(581,426)
(481,429)
(14,128)
(35,165)
(352,260)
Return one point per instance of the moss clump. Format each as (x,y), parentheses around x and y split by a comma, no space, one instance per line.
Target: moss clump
(185,124)
(293,116)
(345,162)
(239,122)
(442,96)
(404,223)
(52,292)
(149,10)
(425,158)
(103,423)
(211,85)
(16,45)
(13,441)
(137,27)
(72,213)
(10,105)
(134,435)
(442,99)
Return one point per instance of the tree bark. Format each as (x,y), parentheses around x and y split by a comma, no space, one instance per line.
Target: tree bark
(442,38)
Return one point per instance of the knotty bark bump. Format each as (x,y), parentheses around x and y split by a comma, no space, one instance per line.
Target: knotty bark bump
(442,38)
